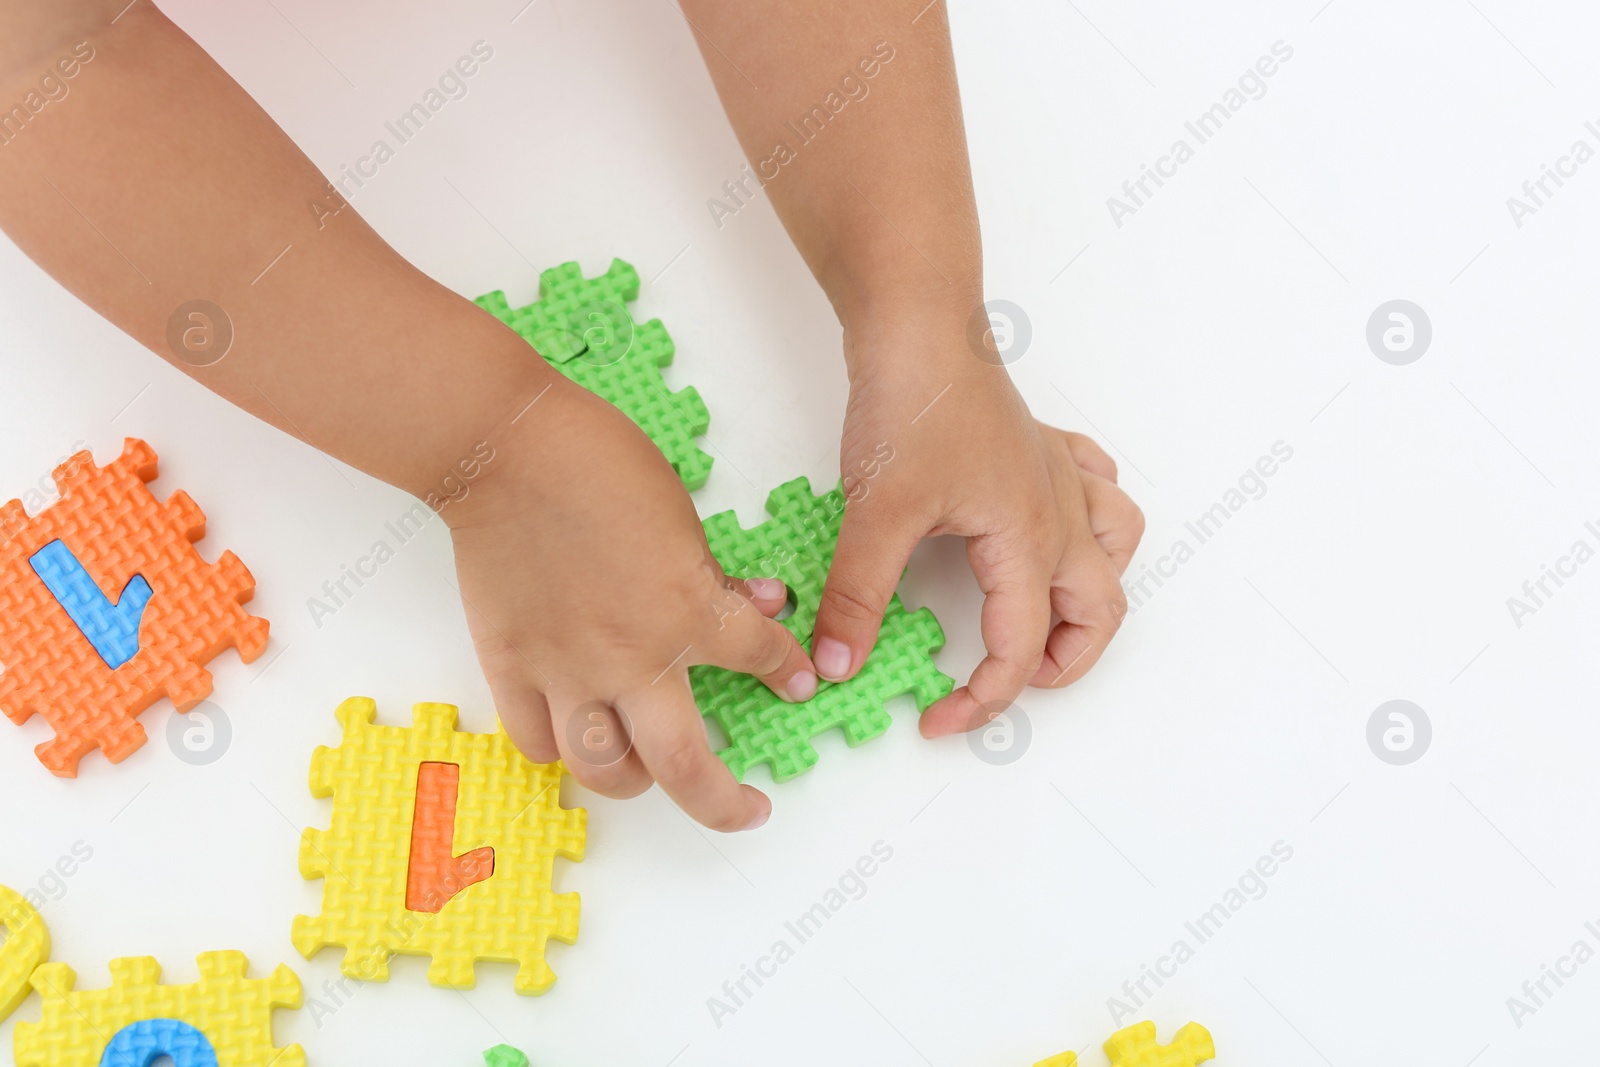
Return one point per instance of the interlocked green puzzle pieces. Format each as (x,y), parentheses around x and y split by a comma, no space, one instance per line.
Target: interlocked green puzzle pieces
(581,326)
(796,545)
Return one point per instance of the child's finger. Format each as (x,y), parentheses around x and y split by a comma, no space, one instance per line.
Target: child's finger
(1089,600)
(867,564)
(1114,519)
(597,747)
(769,595)
(751,643)
(671,739)
(525,715)
(1016,622)
(1089,456)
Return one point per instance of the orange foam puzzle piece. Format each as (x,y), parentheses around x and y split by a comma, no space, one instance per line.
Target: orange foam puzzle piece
(117,529)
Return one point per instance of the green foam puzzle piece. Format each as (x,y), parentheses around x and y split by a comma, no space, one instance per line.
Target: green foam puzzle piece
(796,545)
(582,328)
(504,1056)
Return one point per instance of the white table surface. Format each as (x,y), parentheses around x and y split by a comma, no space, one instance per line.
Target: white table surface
(1229,313)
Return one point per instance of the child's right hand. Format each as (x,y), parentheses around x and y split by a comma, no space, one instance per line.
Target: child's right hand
(590,591)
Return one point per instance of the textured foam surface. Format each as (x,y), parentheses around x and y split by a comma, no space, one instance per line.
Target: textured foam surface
(1136,1046)
(796,545)
(115,530)
(232,1012)
(504,1056)
(581,326)
(142,1044)
(26,945)
(504,803)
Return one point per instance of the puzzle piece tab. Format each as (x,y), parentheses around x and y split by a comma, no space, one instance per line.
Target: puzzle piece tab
(581,326)
(1060,1059)
(1135,1046)
(796,545)
(26,945)
(231,1013)
(508,818)
(504,1056)
(57,651)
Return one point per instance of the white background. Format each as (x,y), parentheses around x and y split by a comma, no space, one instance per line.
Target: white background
(1228,314)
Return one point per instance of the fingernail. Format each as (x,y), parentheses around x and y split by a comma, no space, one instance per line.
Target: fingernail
(765,588)
(832,659)
(802,686)
(759,821)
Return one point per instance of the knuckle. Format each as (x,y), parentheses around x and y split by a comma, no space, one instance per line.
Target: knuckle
(1136,522)
(1117,605)
(679,761)
(1027,664)
(774,651)
(1093,456)
(760,648)
(857,606)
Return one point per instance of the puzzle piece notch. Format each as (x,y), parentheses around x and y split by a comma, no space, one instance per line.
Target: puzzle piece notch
(796,545)
(116,529)
(560,324)
(232,1011)
(621,360)
(1136,1046)
(505,803)
(504,1056)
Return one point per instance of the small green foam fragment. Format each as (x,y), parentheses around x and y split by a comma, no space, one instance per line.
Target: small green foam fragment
(504,1056)
(796,545)
(582,327)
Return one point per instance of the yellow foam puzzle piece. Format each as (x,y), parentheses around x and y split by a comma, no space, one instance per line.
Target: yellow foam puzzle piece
(1060,1059)
(232,1011)
(504,802)
(27,945)
(1135,1046)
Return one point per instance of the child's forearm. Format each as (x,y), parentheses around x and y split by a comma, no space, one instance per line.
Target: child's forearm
(849,113)
(155,181)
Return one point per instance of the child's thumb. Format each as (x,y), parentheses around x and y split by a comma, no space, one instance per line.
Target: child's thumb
(867,565)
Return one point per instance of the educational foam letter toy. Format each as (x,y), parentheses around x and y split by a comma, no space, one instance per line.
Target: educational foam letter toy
(223,1020)
(459,867)
(581,326)
(796,545)
(106,607)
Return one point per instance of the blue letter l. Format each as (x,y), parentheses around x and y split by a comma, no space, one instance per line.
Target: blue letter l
(113,629)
